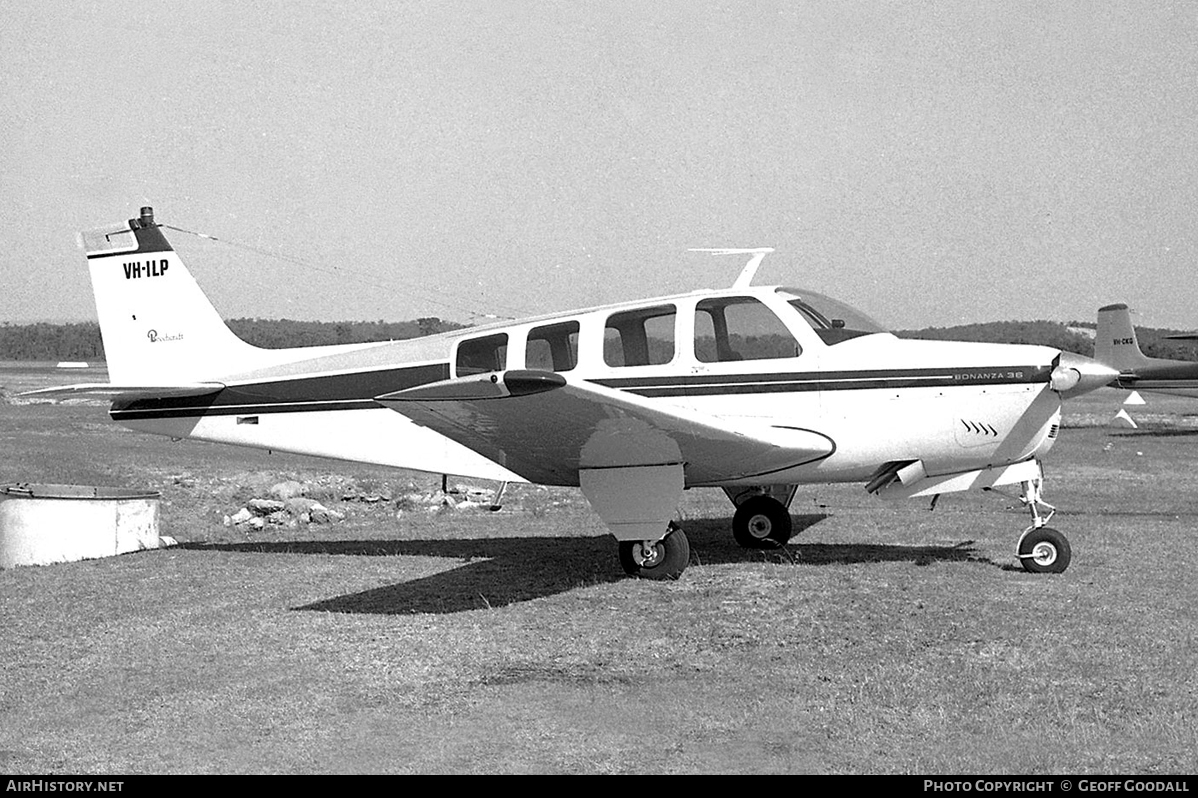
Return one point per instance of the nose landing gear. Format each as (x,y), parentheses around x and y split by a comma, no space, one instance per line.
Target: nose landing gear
(1041,549)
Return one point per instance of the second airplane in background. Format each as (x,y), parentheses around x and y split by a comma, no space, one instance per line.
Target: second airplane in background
(1117,346)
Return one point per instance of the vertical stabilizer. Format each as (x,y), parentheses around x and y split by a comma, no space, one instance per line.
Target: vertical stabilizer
(1115,344)
(158,326)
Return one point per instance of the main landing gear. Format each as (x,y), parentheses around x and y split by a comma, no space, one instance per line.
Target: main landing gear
(662,559)
(762,519)
(1041,549)
(761,522)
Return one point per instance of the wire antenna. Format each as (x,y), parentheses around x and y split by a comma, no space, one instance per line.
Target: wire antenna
(428,295)
(750,269)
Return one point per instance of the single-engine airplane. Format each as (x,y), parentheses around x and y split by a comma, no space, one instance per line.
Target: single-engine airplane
(752,389)
(1116,345)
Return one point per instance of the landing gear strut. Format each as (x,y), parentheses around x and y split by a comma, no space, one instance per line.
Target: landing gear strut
(1042,549)
(661,559)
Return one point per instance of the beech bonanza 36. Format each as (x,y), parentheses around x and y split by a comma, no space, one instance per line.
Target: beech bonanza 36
(752,389)
(1116,345)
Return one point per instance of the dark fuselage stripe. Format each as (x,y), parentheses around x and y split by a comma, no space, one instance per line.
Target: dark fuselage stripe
(245,410)
(352,391)
(355,391)
(795,382)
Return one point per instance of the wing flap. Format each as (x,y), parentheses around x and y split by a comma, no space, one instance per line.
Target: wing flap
(546,426)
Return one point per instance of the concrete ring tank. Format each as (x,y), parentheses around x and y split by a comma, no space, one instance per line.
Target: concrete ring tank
(43,524)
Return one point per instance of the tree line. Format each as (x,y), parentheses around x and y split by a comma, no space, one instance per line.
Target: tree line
(81,340)
(1065,337)
(1044,333)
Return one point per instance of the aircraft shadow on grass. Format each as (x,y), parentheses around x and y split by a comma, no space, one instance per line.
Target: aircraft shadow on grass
(501,571)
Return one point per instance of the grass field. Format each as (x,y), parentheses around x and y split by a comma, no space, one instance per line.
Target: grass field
(884,639)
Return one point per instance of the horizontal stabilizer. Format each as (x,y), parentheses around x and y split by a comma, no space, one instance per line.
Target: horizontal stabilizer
(110,389)
(545,426)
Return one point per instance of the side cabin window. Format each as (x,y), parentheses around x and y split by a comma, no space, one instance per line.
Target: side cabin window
(480,355)
(728,329)
(641,337)
(553,347)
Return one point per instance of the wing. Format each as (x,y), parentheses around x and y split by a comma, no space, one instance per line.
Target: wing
(546,426)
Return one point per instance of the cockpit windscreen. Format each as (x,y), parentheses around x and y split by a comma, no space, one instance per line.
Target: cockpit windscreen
(832,319)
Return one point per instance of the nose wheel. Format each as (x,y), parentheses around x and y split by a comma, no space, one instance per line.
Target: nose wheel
(1044,551)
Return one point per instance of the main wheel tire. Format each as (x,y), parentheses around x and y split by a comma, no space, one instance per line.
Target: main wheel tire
(665,559)
(1044,551)
(761,522)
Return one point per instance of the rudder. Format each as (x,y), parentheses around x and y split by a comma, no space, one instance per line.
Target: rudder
(157,325)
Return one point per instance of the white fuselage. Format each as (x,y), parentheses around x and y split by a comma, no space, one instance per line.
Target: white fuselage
(877,398)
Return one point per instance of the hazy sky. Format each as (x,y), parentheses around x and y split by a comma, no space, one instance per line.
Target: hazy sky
(933,163)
